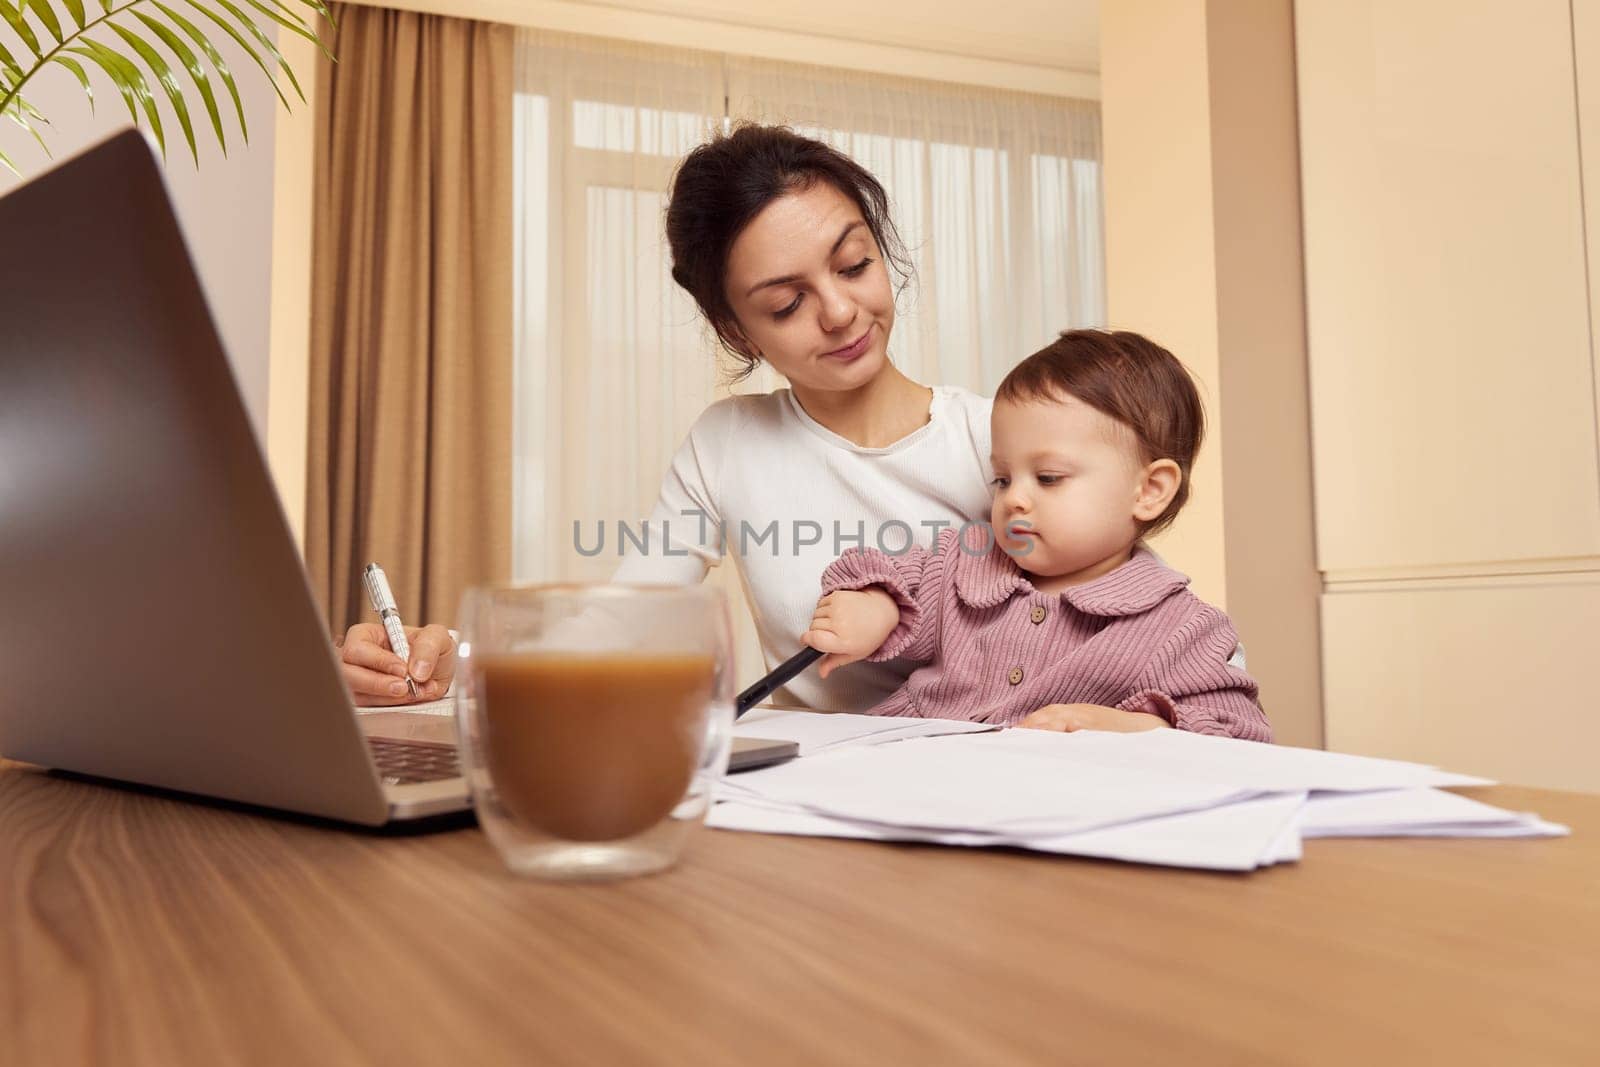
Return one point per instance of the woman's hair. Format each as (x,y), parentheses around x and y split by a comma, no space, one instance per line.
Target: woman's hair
(725,183)
(1133,380)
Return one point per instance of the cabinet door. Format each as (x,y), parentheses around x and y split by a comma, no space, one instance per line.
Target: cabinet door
(1586,53)
(1491,676)
(1453,396)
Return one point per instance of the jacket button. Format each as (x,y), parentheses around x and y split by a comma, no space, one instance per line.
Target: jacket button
(1015,675)
(1038,614)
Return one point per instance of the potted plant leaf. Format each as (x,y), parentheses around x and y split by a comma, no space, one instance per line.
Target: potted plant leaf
(149,50)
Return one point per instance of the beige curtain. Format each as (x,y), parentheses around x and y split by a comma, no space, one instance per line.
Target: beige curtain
(411,333)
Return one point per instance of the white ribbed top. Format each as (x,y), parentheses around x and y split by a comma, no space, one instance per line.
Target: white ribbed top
(750,462)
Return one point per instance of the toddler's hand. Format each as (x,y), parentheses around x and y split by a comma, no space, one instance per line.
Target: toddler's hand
(1069,718)
(850,625)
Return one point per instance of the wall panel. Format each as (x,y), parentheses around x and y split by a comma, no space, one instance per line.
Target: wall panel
(1447,300)
(1484,676)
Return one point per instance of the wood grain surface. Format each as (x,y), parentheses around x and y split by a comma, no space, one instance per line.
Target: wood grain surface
(137,928)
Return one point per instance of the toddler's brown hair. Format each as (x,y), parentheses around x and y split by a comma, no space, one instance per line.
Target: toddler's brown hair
(1133,380)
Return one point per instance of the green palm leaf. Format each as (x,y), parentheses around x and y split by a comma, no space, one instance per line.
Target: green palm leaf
(47,15)
(9,62)
(13,16)
(29,110)
(317,7)
(297,25)
(78,72)
(114,72)
(261,39)
(238,39)
(217,63)
(197,73)
(20,111)
(129,75)
(138,53)
(163,73)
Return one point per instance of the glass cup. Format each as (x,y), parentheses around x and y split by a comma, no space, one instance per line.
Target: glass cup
(595,721)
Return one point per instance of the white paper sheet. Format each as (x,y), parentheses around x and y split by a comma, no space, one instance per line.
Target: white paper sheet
(928,784)
(818,732)
(1235,837)
(1417,813)
(442,706)
(1247,765)
(1288,846)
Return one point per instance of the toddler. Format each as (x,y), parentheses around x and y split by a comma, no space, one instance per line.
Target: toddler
(1057,617)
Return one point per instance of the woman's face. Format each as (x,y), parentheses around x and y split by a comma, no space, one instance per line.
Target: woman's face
(810,292)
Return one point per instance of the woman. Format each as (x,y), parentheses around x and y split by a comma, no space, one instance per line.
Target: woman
(787,247)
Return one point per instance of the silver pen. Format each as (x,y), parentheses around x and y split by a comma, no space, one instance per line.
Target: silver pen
(383,603)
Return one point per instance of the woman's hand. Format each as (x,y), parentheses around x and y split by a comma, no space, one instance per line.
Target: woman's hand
(1069,718)
(376,677)
(850,625)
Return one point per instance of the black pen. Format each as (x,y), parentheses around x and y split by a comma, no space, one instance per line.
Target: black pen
(785,671)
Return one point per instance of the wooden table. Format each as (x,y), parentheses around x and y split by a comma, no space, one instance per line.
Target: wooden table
(139,929)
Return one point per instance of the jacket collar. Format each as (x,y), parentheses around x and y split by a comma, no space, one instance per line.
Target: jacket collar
(983,581)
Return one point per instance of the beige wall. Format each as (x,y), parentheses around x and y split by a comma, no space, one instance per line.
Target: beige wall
(288,381)
(224,206)
(1449,291)
(1203,254)
(1586,60)
(1039,46)
(1161,239)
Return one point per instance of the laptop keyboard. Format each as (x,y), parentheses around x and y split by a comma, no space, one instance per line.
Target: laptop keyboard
(410,762)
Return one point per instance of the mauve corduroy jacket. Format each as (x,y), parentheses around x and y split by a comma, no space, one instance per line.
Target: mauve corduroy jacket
(996,649)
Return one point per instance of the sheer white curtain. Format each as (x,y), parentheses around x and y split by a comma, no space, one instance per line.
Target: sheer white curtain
(612,364)
(997,195)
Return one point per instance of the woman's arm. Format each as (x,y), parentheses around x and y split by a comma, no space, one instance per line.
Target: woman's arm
(682,542)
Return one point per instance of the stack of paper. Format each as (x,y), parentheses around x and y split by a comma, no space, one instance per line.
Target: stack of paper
(1416,813)
(817,732)
(1164,797)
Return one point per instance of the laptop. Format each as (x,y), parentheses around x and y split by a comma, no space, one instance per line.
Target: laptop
(156,624)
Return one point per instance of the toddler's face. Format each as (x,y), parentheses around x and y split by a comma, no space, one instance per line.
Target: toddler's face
(1068,481)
